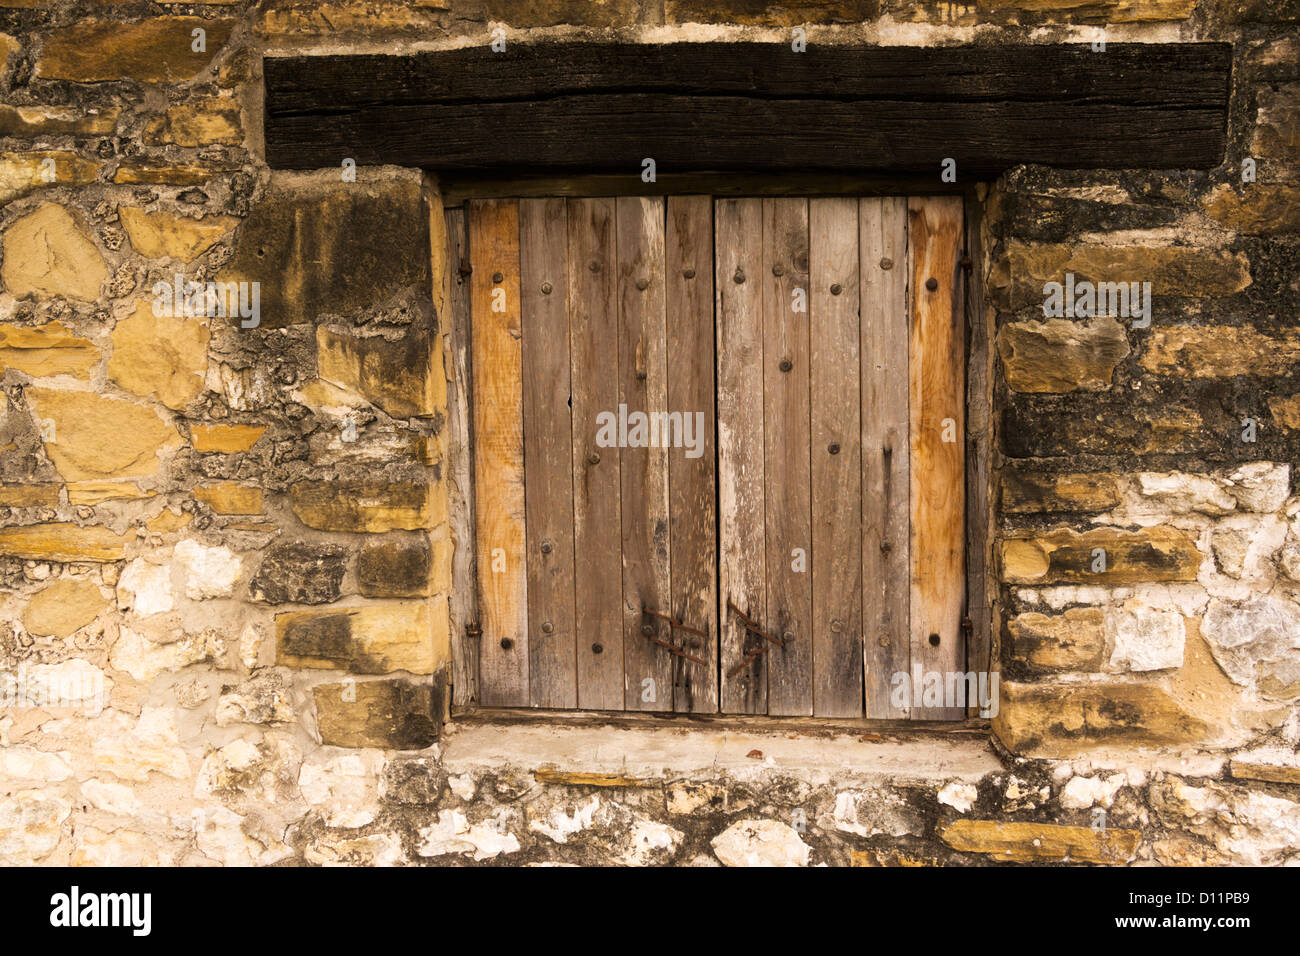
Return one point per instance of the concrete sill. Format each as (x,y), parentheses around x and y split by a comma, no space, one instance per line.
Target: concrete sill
(640,751)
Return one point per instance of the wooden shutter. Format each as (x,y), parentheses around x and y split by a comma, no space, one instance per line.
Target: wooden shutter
(841,491)
(593,591)
(801,565)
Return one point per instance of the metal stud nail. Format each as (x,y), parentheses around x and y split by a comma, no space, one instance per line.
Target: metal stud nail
(778,270)
(597,648)
(546,547)
(688,273)
(836,288)
(932,283)
(546,288)
(593,459)
(786,365)
(886,263)
(547,627)
(506,643)
(642,284)
(497,278)
(648,630)
(594,266)
(833,448)
(739,277)
(934,640)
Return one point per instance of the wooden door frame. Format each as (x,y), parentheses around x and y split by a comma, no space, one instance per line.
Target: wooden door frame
(981,619)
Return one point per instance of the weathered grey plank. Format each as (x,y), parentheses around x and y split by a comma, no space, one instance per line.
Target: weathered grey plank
(836,474)
(886,512)
(643,387)
(738,232)
(786,294)
(688,269)
(548,453)
(597,536)
(464,596)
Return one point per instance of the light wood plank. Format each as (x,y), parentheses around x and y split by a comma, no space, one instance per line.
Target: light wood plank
(692,486)
(738,225)
(786,445)
(834,372)
(937,387)
(548,454)
(499,452)
(886,512)
(643,467)
(597,537)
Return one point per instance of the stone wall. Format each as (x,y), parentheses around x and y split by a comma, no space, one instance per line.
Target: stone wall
(225,548)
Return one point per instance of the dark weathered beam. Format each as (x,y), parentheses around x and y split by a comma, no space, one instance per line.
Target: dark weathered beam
(752,106)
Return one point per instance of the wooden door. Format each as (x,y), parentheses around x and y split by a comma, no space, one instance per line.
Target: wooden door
(801,554)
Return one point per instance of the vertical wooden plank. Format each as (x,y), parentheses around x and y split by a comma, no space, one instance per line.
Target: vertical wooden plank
(499,452)
(597,535)
(460,467)
(548,454)
(688,268)
(936,383)
(643,463)
(786,293)
(834,372)
(886,511)
(981,484)
(738,244)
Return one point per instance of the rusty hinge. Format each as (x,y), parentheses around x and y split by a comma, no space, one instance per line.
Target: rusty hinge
(674,625)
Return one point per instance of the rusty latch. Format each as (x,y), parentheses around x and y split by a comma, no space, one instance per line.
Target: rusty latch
(674,625)
(751,627)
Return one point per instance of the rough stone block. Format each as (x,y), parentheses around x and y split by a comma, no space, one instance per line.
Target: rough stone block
(1072,641)
(299,572)
(367,506)
(63,541)
(47,253)
(1059,720)
(1068,557)
(374,639)
(45,350)
(1025,842)
(230,498)
(396,566)
(1061,356)
(394,714)
(159,50)
(335,253)
(96,437)
(1025,493)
